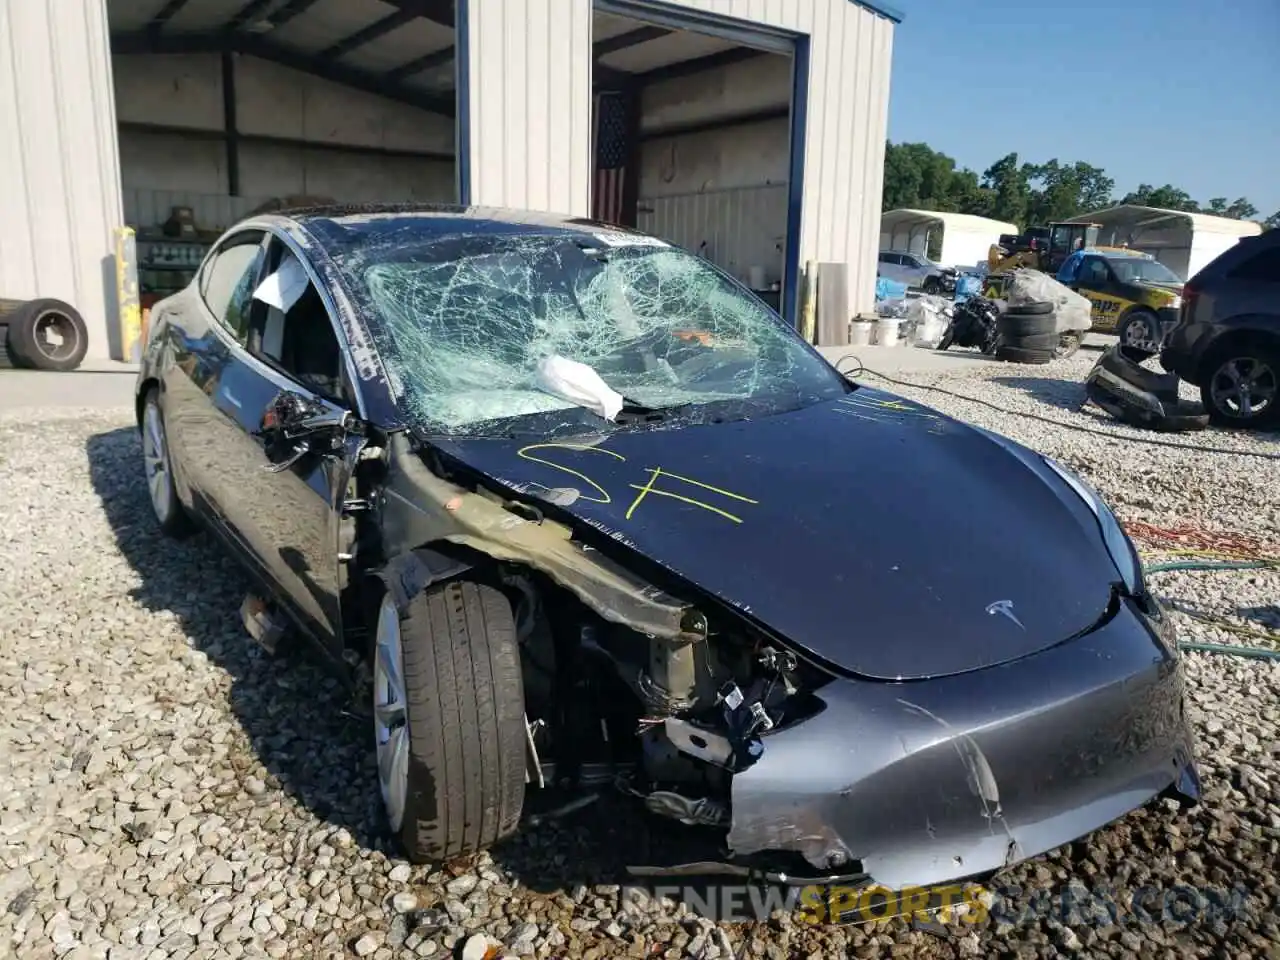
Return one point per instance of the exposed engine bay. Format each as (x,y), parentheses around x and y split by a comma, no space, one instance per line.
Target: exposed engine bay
(673,718)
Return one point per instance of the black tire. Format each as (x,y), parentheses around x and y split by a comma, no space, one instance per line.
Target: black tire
(26,326)
(1016,355)
(466,721)
(175,521)
(931,285)
(7,360)
(1039,308)
(1039,341)
(1254,353)
(1015,326)
(1136,322)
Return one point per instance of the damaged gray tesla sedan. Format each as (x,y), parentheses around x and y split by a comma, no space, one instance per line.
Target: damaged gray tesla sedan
(591,508)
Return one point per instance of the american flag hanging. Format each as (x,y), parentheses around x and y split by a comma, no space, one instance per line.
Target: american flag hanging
(611,157)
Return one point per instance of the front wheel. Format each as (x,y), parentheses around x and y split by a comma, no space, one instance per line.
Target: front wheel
(448,703)
(1243,387)
(1140,329)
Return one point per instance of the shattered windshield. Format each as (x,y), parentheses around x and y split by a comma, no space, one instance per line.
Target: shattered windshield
(465,326)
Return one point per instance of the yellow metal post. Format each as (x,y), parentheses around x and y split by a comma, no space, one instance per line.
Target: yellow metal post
(809,308)
(127,301)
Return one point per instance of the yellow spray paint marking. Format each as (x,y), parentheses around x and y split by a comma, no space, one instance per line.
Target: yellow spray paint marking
(644,489)
(656,472)
(581,448)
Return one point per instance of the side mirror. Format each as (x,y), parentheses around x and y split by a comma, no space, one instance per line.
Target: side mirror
(294,426)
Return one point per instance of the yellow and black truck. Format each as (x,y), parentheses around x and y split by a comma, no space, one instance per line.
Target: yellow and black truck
(1133,294)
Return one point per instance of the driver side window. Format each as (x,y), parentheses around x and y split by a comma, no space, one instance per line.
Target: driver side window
(229,278)
(290,328)
(1093,272)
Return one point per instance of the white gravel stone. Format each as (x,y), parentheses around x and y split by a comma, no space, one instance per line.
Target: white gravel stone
(139,724)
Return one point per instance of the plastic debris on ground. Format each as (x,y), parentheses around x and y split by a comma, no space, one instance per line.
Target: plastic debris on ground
(927,321)
(1070,310)
(1133,394)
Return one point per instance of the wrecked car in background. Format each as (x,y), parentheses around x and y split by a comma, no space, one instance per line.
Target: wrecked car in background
(587,504)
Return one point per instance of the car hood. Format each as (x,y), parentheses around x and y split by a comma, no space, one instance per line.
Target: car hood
(1160,291)
(875,533)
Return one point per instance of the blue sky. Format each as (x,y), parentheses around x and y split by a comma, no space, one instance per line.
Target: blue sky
(1188,91)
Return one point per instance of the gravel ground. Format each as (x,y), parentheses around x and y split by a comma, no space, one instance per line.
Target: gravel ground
(169,792)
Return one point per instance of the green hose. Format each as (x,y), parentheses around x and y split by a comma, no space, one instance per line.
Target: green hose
(1209,565)
(1252,653)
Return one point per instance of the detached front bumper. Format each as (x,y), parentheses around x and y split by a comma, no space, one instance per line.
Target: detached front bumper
(1119,384)
(937,781)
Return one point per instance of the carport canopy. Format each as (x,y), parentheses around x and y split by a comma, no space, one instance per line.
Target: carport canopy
(966,238)
(1183,241)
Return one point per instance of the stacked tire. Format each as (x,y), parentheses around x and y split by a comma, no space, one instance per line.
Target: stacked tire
(41,334)
(1028,333)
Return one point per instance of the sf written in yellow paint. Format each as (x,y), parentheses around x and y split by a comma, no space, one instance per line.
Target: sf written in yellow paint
(656,472)
(581,448)
(644,490)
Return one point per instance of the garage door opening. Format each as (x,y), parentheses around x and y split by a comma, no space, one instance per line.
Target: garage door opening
(226,107)
(695,139)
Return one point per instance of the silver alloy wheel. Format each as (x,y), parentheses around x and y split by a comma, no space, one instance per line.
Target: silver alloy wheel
(1138,333)
(155,457)
(1244,387)
(390,717)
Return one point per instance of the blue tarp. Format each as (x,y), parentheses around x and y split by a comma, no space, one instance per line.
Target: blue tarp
(887,289)
(967,285)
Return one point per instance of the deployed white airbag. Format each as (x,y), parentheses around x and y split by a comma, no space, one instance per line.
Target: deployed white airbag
(579,384)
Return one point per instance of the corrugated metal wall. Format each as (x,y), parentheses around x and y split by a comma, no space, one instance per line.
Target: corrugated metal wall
(59,167)
(850,57)
(529,102)
(740,226)
(530,108)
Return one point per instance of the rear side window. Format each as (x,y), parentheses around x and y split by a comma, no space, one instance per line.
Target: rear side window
(229,279)
(1262,267)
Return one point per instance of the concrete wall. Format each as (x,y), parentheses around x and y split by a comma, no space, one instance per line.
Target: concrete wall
(273,101)
(59,180)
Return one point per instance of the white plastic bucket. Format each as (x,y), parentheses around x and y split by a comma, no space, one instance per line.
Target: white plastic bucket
(859,333)
(887,333)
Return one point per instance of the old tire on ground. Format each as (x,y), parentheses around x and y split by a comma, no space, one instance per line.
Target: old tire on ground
(1039,341)
(1015,326)
(31,330)
(1023,355)
(932,285)
(1036,309)
(1251,370)
(1140,329)
(170,514)
(464,713)
(7,360)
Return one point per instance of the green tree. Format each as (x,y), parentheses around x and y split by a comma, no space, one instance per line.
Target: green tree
(1167,197)
(1008,184)
(1272,222)
(1059,191)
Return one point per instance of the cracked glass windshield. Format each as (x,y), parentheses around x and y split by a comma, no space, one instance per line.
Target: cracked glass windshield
(464,326)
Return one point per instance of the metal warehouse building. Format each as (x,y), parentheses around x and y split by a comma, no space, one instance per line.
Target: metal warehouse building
(750,131)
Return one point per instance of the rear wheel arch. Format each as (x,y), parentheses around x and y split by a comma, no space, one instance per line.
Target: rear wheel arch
(140,397)
(1231,341)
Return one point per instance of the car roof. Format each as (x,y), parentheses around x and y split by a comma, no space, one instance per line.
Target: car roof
(441,220)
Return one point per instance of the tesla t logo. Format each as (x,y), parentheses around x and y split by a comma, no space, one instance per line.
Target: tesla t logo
(1005,609)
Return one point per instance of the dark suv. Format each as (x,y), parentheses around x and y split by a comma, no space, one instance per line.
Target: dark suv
(1227,339)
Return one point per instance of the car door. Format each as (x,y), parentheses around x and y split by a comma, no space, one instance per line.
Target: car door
(292,512)
(891,267)
(205,323)
(1097,282)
